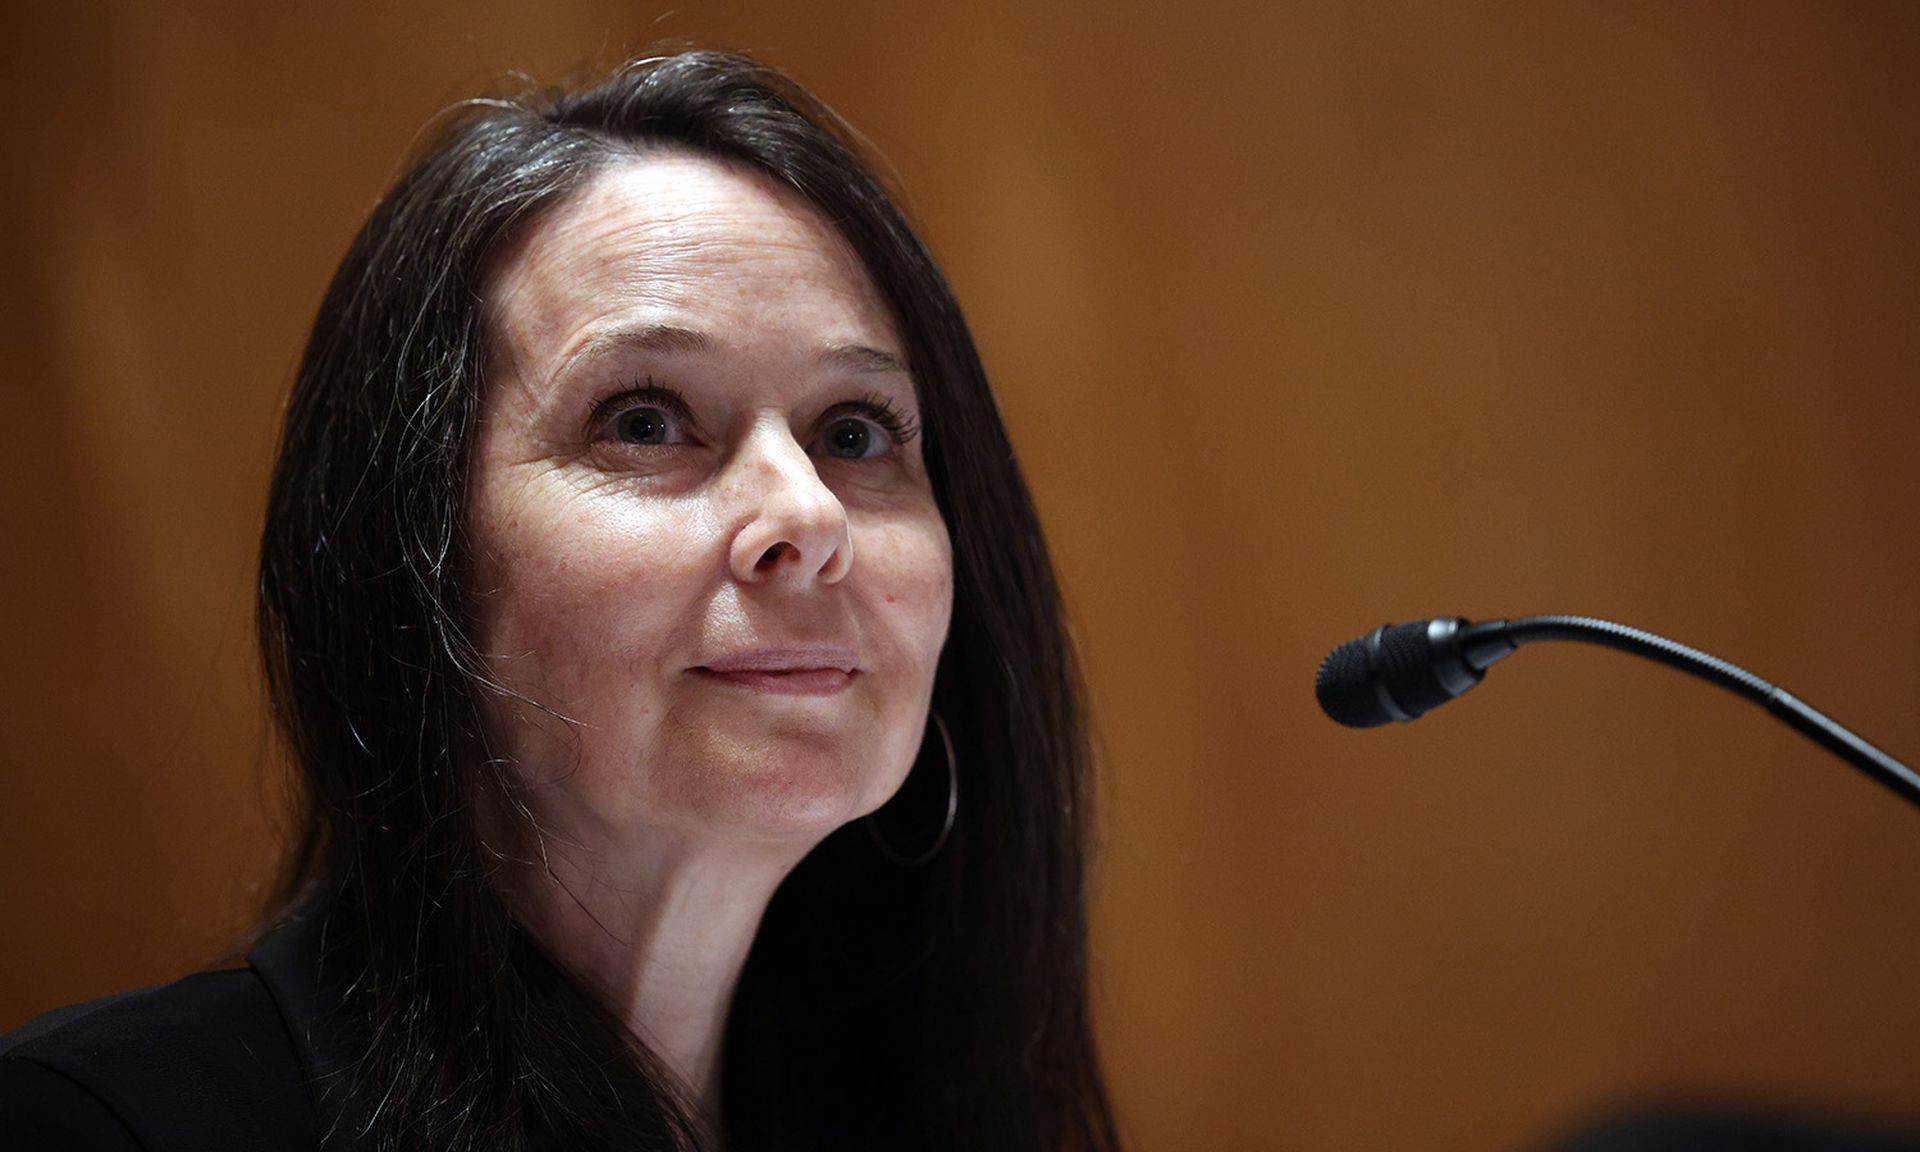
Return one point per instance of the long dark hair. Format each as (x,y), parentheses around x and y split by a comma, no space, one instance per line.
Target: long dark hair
(881,1007)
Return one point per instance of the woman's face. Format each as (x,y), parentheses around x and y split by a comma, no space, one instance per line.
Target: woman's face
(706,551)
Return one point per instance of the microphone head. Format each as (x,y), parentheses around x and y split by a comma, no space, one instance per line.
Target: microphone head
(1344,686)
(1395,672)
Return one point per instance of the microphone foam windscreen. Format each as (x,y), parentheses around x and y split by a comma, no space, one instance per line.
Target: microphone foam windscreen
(1345,690)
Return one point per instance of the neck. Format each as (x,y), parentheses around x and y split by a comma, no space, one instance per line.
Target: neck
(659,933)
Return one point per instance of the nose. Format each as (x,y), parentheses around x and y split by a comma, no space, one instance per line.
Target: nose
(793,529)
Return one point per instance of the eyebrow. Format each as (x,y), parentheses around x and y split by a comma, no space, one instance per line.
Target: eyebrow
(670,339)
(662,338)
(860,358)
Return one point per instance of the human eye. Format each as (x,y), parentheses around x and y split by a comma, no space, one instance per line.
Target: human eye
(651,415)
(873,427)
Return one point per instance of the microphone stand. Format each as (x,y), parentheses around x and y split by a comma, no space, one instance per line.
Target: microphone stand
(1496,637)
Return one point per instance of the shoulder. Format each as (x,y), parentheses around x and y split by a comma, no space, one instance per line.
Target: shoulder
(42,1108)
(205,1062)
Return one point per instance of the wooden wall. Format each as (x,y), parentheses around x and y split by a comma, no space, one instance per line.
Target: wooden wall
(1305,317)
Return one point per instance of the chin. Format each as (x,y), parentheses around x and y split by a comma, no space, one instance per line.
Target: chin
(787,789)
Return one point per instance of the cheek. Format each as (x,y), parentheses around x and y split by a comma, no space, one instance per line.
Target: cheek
(910,565)
(911,598)
(579,607)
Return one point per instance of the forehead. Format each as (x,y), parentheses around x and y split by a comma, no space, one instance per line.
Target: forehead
(686,240)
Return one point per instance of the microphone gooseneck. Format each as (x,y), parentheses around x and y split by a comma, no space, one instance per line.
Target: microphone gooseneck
(1398,672)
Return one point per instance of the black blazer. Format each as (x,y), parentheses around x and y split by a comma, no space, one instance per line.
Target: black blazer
(249,1060)
(241,1059)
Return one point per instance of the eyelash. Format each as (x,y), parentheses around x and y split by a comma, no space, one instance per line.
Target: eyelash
(880,409)
(659,395)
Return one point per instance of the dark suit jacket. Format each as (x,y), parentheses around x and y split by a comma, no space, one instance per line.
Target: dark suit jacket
(249,1060)
(244,1058)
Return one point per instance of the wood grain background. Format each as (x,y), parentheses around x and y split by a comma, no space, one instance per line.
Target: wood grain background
(1305,317)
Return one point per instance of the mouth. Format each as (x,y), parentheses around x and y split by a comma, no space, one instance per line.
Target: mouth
(814,671)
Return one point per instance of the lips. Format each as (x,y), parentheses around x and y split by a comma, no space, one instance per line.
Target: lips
(809,671)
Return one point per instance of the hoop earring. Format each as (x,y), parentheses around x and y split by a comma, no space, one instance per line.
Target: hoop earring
(953,807)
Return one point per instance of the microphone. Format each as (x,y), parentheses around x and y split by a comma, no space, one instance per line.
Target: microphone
(1399,672)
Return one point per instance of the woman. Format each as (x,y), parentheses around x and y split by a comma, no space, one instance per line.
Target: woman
(691,749)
